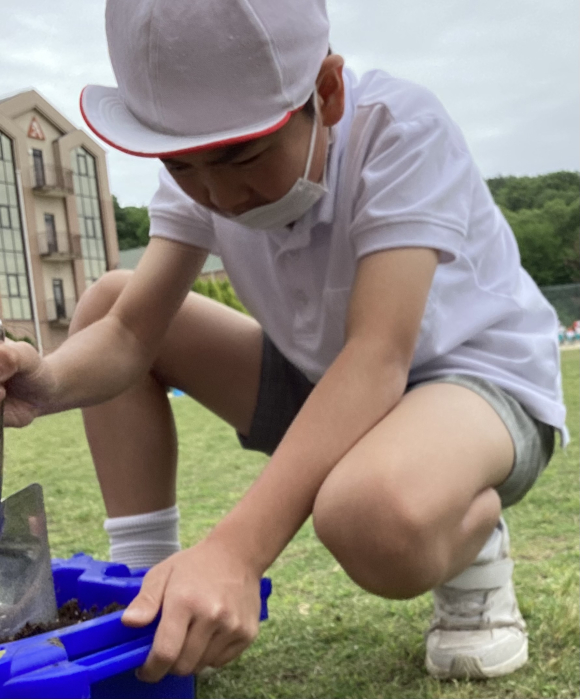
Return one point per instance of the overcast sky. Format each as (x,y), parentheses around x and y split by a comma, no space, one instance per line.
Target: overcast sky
(507,70)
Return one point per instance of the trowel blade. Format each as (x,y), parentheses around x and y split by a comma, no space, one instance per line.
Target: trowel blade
(26,584)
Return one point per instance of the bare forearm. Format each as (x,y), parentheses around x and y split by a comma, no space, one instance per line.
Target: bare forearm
(352,397)
(95,365)
(109,355)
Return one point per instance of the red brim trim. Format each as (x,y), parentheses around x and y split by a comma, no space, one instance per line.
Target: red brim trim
(206,146)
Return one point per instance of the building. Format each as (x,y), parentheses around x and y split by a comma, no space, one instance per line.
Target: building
(212,269)
(57,223)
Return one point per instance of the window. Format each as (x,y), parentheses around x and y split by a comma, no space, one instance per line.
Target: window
(89,213)
(59,302)
(91,228)
(51,243)
(82,163)
(5,221)
(14,286)
(38,162)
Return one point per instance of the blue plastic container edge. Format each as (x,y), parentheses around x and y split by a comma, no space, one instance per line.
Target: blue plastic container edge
(94,658)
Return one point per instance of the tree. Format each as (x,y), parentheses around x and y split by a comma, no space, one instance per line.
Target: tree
(219,290)
(544,213)
(132,225)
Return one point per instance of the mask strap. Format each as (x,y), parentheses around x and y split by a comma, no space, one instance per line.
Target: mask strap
(312,139)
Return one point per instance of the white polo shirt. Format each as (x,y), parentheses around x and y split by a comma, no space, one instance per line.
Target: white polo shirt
(399,175)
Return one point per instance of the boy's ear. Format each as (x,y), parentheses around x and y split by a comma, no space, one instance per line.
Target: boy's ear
(330,88)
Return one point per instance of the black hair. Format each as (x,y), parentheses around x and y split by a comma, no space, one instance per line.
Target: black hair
(308,109)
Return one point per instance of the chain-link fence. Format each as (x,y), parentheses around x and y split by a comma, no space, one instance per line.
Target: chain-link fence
(566,300)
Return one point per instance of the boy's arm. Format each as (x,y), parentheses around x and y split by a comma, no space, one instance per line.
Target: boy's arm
(100,361)
(363,384)
(208,593)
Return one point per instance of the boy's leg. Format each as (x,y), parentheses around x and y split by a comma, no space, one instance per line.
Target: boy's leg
(477,630)
(413,503)
(211,352)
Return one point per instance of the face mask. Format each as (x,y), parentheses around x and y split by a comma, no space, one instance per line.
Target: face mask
(293,205)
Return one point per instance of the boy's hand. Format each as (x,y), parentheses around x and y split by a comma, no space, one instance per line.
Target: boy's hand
(210,601)
(26,383)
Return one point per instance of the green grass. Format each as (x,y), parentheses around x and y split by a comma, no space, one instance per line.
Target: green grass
(326,638)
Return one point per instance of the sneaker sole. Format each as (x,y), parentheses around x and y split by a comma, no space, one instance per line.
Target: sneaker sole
(470,667)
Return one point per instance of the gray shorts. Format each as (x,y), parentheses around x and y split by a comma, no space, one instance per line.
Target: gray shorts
(284,389)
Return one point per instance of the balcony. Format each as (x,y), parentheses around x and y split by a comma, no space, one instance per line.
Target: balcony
(52,180)
(59,312)
(59,247)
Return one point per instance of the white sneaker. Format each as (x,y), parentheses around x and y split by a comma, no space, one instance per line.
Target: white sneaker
(478,631)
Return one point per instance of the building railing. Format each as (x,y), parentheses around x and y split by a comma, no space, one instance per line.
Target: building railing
(59,246)
(52,177)
(60,310)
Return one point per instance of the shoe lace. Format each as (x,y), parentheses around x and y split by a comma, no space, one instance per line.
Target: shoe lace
(469,610)
(466,610)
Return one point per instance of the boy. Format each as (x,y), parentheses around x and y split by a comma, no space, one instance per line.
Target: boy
(400,367)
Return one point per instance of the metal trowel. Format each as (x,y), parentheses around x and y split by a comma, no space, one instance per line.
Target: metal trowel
(26,584)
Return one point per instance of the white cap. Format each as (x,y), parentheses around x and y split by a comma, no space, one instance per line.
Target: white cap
(196,74)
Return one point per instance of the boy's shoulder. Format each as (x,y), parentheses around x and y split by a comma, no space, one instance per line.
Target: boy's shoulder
(402,99)
(382,110)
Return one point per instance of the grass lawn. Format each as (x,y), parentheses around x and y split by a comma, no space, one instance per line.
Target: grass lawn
(326,638)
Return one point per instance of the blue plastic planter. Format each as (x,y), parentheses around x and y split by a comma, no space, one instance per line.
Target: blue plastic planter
(93,659)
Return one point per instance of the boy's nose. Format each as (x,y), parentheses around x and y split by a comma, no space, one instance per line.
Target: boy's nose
(228,197)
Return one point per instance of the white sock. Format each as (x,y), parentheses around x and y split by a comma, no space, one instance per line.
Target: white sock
(492,549)
(141,541)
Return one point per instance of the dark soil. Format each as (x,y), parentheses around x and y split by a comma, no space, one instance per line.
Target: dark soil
(69,614)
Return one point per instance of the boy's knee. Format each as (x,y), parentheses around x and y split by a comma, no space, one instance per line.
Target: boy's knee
(99,298)
(384,543)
